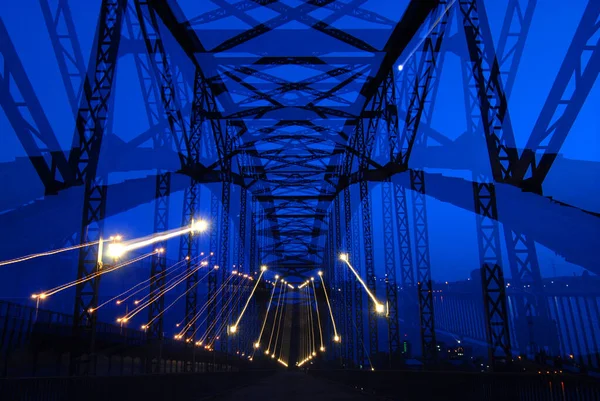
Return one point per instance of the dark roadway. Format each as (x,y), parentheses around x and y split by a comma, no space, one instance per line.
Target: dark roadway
(292,386)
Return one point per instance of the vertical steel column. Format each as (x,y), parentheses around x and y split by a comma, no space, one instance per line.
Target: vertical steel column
(158,267)
(212,275)
(357,323)
(225,200)
(365,200)
(492,278)
(91,124)
(348,287)
(391,287)
(241,263)
(428,343)
(404,243)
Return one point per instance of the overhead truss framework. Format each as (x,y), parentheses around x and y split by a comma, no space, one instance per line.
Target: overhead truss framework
(295,120)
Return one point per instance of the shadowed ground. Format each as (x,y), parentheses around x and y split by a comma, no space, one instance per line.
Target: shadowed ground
(292,386)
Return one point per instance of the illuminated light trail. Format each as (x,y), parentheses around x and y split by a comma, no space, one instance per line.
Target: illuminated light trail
(205,307)
(162,312)
(312,280)
(138,309)
(275,318)
(213,325)
(262,329)
(282,362)
(226,312)
(420,43)
(234,327)
(283,309)
(176,280)
(202,309)
(379,307)
(336,336)
(117,249)
(52,291)
(311,322)
(173,268)
(48,253)
(234,301)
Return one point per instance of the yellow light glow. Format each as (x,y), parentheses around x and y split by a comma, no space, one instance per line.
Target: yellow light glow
(263,268)
(314,354)
(199,226)
(320,273)
(322,349)
(256,345)
(277,276)
(337,338)
(232,329)
(344,257)
(115,250)
(380,308)
(312,279)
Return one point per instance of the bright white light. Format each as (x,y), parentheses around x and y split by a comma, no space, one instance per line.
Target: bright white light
(336,338)
(232,329)
(256,345)
(379,308)
(322,349)
(400,67)
(344,257)
(116,250)
(320,273)
(263,268)
(199,226)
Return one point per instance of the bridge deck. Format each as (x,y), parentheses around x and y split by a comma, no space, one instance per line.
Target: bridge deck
(292,386)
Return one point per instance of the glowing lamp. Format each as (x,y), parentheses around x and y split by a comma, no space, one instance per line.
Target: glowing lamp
(116,250)
(344,257)
(379,308)
(263,268)
(199,226)
(232,329)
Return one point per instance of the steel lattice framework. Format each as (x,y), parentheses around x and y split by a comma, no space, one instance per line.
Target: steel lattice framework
(303,132)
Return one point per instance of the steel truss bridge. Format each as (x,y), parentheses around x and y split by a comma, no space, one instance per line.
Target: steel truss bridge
(290,134)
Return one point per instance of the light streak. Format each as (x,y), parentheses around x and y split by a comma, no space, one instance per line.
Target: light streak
(173,269)
(318,314)
(379,307)
(118,249)
(205,307)
(276,312)
(283,309)
(237,296)
(62,287)
(310,322)
(418,45)
(48,253)
(233,328)
(336,337)
(262,329)
(138,309)
(175,301)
